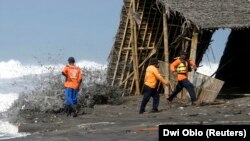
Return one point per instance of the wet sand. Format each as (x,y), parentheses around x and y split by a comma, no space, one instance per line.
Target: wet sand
(124,123)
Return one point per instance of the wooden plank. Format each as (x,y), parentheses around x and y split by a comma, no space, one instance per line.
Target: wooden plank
(207,88)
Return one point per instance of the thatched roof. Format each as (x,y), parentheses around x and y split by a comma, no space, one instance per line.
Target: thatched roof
(213,13)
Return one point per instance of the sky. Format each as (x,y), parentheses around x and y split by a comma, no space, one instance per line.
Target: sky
(52,30)
(217,46)
(211,58)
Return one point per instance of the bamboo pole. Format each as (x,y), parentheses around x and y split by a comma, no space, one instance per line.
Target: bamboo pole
(120,52)
(166,52)
(193,46)
(134,49)
(193,51)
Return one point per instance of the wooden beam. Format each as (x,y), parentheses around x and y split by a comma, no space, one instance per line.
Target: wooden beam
(139,48)
(166,52)
(193,51)
(193,46)
(134,48)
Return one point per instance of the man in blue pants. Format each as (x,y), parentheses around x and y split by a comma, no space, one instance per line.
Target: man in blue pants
(72,83)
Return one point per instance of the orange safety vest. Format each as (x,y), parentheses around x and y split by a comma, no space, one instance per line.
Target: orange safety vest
(73,76)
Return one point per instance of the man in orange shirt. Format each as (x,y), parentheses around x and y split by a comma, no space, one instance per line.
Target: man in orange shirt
(72,84)
(180,68)
(150,82)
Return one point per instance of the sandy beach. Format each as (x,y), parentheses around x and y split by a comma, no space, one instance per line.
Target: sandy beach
(124,123)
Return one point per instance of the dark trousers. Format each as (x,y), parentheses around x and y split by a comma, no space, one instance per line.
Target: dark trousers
(147,93)
(184,84)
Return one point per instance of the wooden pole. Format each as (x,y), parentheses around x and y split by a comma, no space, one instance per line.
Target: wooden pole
(166,53)
(193,51)
(134,49)
(193,46)
(120,51)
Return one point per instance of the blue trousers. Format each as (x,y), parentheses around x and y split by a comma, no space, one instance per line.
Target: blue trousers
(184,84)
(71,96)
(147,93)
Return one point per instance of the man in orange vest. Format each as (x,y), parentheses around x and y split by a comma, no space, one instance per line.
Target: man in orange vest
(72,84)
(150,82)
(180,68)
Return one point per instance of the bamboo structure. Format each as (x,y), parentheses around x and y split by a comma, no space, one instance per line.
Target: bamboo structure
(161,28)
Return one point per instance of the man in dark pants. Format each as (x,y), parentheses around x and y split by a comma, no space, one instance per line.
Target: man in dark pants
(150,82)
(180,68)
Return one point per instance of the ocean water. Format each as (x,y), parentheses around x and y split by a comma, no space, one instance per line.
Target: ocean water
(16,78)
(8,94)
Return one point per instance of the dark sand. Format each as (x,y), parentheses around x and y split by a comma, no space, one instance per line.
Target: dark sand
(124,123)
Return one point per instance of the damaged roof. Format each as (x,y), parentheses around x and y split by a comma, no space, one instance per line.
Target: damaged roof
(213,13)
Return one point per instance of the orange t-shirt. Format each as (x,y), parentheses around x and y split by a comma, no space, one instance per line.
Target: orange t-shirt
(152,75)
(74,76)
(180,76)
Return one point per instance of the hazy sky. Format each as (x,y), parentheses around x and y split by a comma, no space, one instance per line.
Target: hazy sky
(32,29)
(217,46)
(52,30)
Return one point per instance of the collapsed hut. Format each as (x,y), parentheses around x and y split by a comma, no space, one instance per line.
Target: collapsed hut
(161,28)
